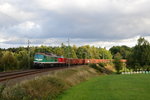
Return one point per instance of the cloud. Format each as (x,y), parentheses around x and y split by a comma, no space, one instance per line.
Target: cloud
(97,18)
(84,20)
(14,12)
(22,30)
(16,42)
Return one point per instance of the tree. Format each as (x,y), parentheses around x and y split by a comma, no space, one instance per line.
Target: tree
(123,50)
(117,62)
(69,52)
(9,61)
(23,59)
(94,52)
(58,51)
(140,56)
(84,52)
(43,49)
(104,54)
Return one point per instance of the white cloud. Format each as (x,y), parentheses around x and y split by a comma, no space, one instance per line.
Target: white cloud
(27,26)
(2,37)
(12,11)
(128,42)
(16,42)
(125,6)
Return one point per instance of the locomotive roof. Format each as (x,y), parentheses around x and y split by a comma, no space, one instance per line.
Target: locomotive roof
(48,54)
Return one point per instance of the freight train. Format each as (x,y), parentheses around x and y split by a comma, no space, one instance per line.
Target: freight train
(43,60)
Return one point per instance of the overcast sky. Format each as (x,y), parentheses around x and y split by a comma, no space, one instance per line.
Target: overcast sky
(101,23)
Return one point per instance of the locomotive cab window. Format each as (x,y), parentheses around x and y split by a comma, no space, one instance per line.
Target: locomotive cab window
(39,57)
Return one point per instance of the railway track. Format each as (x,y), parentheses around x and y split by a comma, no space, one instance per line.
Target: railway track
(5,76)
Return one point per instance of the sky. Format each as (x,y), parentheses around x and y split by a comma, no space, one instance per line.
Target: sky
(102,23)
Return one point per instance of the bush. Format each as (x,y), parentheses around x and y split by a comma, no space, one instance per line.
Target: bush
(95,66)
(2,87)
(102,64)
(48,87)
(101,68)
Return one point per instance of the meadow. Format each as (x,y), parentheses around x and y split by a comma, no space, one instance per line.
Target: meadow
(111,87)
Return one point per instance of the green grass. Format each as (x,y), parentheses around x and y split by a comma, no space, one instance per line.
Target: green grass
(111,87)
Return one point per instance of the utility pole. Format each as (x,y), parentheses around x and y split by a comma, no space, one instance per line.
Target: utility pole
(68,52)
(28,54)
(103,55)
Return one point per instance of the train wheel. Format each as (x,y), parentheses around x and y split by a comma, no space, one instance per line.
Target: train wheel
(41,65)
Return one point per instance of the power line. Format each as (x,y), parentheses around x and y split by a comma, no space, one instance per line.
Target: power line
(68,52)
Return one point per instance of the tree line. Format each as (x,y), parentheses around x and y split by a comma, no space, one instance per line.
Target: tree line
(138,57)
(22,57)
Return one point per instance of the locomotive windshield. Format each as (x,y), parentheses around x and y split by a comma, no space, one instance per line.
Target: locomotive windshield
(38,57)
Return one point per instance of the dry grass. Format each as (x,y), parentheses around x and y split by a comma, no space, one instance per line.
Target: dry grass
(49,86)
(110,67)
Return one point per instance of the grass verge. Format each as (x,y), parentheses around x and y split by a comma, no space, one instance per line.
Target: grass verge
(48,87)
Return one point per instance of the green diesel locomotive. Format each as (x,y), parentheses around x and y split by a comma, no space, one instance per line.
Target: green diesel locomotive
(46,59)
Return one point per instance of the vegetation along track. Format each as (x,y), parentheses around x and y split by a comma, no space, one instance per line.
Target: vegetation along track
(4,76)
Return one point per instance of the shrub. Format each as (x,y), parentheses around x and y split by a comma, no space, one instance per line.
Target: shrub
(102,64)
(101,68)
(48,87)
(2,87)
